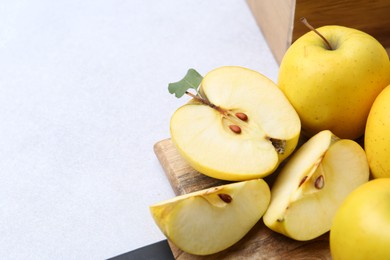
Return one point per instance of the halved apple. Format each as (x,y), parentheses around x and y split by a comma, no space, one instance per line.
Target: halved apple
(312,185)
(243,131)
(211,220)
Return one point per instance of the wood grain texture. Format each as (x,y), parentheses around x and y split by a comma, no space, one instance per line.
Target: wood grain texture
(372,17)
(181,176)
(280,24)
(275,19)
(260,242)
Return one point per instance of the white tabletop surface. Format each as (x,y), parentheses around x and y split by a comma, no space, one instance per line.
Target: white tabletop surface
(83,99)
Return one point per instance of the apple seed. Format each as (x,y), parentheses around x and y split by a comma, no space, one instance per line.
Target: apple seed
(302,181)
(242,116)
(225,197)
(235,128)
(319,182)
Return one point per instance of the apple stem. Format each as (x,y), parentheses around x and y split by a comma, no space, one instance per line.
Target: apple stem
(306,23)
(206,102)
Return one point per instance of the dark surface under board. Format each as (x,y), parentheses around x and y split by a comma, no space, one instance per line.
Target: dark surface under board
(159,250)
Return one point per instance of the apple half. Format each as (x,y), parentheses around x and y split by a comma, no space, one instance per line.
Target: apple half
(211,220)
(312,185)
(245,131)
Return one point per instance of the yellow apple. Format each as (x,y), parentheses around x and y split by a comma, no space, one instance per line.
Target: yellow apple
(211,220)
(361,227)
(377,135)
(243,128)
(312,185)
(334,89)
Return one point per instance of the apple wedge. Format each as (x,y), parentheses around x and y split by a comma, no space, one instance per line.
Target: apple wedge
(211,220)
(239,127)
(312,185)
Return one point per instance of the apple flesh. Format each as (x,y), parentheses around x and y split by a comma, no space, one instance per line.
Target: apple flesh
(211,220)
(334,89)
(250,129)
(314,182)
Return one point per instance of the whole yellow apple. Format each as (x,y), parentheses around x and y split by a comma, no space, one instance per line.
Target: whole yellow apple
(361,227)
(377,135)
(334,88)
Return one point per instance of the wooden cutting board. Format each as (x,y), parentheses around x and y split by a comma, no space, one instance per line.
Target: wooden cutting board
(260,242)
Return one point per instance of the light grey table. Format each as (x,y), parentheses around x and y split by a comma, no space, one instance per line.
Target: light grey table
(83,99)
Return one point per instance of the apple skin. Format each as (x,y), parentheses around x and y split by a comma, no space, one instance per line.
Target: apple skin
(334,89)
(361,227)
(377,135)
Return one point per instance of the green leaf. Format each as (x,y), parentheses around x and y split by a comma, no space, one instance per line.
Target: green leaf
(191,80)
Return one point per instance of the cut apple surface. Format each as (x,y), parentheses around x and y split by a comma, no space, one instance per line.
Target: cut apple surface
(313,184)
(211,220)
(247,128)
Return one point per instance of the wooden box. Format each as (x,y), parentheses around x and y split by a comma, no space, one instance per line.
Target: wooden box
(279,20)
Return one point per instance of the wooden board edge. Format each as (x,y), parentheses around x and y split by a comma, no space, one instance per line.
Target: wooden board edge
(159,149)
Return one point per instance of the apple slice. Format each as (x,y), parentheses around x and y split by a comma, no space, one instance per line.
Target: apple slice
(239,127)
(211,220)
(313,184)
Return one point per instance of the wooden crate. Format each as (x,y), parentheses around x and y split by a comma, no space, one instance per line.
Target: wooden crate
(279,19)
